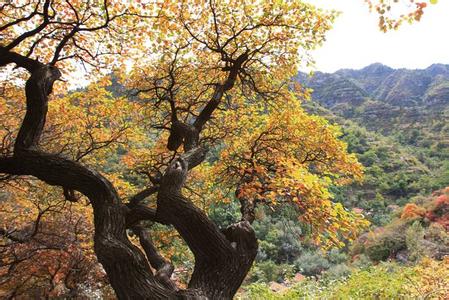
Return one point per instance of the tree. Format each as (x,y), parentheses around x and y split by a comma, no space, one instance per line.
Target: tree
(46,245)
(208,77)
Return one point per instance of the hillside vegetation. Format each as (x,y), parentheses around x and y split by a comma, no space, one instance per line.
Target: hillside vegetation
(396,122)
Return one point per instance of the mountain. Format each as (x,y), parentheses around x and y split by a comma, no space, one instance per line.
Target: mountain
(394,102)
(397,123)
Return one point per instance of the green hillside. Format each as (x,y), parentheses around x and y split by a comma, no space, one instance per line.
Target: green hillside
(397,123)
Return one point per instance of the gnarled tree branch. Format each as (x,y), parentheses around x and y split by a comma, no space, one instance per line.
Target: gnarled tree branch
(126,266)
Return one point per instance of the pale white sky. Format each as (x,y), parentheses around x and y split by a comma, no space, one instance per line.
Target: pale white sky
(355,41)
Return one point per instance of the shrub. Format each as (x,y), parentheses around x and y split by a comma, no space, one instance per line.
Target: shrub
(414,238)
(336,257)
(311,263)
(338,271)
(412,211)
(361,261)
(308,289)
(385,243)
(267,271)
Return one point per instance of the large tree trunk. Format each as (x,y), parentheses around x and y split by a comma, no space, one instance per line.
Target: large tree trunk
(222,258)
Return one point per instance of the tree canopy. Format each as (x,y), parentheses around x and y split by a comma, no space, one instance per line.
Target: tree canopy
(199,109)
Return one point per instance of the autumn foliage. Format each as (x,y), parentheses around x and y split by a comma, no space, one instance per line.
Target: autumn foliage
(412,211)
(190,103)
(420,230)
(436,210)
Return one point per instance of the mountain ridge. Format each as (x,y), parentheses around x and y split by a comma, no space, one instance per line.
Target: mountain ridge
(403,87)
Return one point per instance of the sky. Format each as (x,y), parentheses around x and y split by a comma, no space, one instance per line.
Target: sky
(356,41)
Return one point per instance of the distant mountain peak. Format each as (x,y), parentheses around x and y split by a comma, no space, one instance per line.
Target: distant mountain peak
(377,68)
(438,69)
(372,69)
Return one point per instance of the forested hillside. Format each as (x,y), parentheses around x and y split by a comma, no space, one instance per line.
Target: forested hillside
(411,106)
(396,122)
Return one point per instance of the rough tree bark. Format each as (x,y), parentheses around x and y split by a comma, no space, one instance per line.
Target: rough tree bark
(222,257)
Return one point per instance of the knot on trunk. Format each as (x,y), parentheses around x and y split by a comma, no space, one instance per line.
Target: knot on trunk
(51,74)
(176,173)
(175,176)
(44,78)
(181,133)
(242,237)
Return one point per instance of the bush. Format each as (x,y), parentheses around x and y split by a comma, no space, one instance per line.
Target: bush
(311,263)
(267,271)
(336,257)
(361,261)
(385,243)
(278,238)
(414,237)
(338,271)
(439,235)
